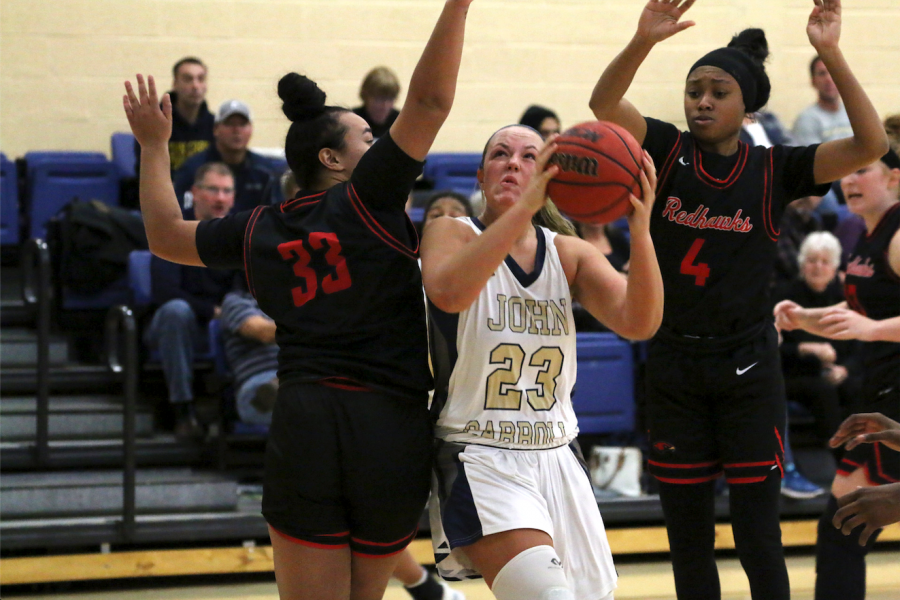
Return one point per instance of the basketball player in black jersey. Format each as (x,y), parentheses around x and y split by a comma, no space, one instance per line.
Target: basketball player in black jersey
(349,454)
(871,314)
(715,393)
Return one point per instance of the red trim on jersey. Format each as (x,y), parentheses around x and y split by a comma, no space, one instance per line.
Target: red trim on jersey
(666,169)
(248,240)
(380,232)
(768,182)
(881,472)
(693,480)
(736,171)
(313,544)
(745,479)
(408,536)
(852,464)
(881,222)
(290,203)
(344,383)
(683,466)
(765,463)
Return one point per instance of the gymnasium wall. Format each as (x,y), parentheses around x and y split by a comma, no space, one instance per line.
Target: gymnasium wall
(62,62)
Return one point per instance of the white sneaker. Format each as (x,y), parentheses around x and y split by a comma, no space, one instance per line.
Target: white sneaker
(450,593)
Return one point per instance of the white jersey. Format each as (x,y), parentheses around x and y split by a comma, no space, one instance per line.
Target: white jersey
(505,367)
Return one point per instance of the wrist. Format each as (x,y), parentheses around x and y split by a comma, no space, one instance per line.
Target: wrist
(641,42)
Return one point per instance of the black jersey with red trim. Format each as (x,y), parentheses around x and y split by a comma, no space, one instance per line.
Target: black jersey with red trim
(715,227)
(872,288)
(337,271)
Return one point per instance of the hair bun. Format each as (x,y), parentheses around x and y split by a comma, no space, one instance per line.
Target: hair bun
(753,42)
(302,99)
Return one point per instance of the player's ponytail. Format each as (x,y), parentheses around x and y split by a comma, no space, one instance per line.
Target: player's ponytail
(550,217)
(314,126)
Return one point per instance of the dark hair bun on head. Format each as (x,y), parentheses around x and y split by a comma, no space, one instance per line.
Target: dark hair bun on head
(753,42)
(303,100)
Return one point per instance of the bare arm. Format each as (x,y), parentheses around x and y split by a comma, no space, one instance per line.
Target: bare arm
(631,307)
(839,158)
(259,328)
(457,263)
(433,83)
(169,235)
(658,21)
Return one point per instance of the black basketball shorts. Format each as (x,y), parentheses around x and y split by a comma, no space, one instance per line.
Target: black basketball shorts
(716,406)
(880,464)
(347,468)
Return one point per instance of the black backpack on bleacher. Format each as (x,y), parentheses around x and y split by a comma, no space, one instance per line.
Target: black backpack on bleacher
(91,242)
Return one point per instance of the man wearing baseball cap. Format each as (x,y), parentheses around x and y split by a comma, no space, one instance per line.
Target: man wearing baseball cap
(255,179)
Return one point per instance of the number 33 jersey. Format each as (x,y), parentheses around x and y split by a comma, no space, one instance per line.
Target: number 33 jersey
(715,226)
(337,271)
(505,367)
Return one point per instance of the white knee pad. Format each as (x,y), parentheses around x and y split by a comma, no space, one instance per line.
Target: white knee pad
(535,574)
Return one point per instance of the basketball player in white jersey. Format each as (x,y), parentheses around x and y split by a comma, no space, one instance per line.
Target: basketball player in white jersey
(512,500)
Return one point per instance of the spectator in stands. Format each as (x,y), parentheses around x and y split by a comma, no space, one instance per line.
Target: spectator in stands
(763,128)
(446,203)
(255,180)
(187,298)
(814,366)
(379,91)
(541,119)
(615,246)
(192,123)
(252,355)
(826,119)
(797,222)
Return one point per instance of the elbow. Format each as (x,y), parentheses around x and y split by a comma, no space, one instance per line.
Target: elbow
(643,330)
(448,301)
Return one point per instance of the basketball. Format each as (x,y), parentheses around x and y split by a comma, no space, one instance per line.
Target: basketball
(599,166)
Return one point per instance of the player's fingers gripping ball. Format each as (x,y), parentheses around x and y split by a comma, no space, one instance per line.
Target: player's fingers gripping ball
(599,167)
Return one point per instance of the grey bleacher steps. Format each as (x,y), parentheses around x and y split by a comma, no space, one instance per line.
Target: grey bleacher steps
(71,418)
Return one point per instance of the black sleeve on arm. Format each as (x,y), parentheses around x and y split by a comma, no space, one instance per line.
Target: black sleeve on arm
(385,175)
(220,242)
(660,138)
(797,171)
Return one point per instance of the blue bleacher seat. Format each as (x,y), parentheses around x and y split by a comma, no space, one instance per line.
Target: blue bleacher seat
(604,394)
(123,154)
(55,183)
(453,171)
(9,203)
(416,214)
(37,157)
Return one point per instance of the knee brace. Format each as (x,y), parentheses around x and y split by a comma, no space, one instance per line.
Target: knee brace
(535,574)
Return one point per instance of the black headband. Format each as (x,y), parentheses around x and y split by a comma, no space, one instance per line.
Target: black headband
(750,76)
(891,159)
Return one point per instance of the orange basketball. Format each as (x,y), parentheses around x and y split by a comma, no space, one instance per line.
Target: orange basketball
(599,166)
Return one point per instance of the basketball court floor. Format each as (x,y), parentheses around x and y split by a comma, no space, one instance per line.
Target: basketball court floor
(637,580)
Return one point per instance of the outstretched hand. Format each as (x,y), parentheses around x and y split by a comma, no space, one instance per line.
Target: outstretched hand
(867,428)
(150,123)
(660,19)
(535,194)
(874,507)
(824,25)
(639,220)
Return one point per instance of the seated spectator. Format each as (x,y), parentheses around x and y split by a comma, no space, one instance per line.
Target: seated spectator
(541,119)
(614,245)
(797,222)
(192,123)
(252,355)
(187,298)
(813,366)
(379,91)
(255,181)
(446,203)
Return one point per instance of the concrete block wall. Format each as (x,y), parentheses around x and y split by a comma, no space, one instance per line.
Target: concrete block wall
(62,62)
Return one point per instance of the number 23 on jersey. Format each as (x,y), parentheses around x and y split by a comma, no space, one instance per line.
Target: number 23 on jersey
(336,280)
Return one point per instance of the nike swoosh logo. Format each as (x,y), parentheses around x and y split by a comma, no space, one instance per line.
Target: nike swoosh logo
(740,371)
(681,160)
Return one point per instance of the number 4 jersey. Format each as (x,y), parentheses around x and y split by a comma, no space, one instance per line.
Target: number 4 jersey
(505,366)
(337,271)
(715,225)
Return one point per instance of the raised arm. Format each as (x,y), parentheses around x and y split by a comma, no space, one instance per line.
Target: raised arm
(169,235)
(658,21)
(433,83)
(839,158)
(457,263)
(631,307)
